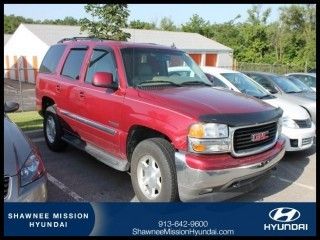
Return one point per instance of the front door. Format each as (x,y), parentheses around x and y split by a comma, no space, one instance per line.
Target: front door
(101,106)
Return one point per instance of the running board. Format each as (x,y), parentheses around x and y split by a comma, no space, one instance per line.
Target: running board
(102,156)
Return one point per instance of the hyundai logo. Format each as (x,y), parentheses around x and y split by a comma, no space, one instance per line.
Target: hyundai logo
(284,214)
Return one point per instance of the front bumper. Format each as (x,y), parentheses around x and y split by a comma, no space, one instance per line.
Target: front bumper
(300,135)
(225,183)
(33,192)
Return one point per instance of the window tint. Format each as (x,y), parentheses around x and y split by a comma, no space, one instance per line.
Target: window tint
(73,63)
(51,59)
(267,84)
(101,61)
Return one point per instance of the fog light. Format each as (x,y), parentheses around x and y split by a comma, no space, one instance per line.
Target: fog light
(294,142)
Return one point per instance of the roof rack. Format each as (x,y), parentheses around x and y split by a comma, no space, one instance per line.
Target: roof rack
(81,38)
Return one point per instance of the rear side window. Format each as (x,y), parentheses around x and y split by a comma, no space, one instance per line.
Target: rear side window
(72,65)
(51,59)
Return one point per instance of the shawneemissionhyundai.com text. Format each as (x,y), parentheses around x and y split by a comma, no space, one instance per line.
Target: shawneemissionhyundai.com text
(181,232)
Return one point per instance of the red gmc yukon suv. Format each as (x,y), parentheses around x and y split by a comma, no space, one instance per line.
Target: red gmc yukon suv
(177,136)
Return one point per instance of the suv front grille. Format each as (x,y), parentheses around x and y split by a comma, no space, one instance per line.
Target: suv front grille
(244,141)
(303,123)
(6,180)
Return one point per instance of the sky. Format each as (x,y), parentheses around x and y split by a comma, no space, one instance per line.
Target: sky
(179,13)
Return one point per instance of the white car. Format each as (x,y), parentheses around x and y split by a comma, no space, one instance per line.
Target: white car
(307,78)
(297,127)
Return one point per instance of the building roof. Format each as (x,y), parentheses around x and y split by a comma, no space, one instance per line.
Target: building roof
(6,38)
(51,34)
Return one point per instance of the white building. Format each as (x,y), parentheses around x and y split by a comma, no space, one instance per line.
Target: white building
(26,48)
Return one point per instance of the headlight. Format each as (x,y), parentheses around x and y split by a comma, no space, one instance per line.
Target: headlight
(289,123)
(32,169)
(209,138)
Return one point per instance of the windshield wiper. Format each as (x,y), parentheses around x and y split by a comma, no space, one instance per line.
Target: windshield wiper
(263,96)
(294,92)
(195,83)
(149,83)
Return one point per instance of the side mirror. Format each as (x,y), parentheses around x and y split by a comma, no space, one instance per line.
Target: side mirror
(10,107)
(104,80)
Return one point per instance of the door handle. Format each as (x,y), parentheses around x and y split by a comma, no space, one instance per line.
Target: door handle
(81,94)
(58,88)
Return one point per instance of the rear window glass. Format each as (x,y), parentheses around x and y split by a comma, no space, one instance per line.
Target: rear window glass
(72,65)
(51,59)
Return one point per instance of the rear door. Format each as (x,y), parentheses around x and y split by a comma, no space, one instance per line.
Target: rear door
(69,87)
(101,107)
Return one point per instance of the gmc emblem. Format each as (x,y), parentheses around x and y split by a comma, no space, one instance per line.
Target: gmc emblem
(256,137)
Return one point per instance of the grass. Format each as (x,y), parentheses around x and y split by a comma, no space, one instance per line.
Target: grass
(27,120)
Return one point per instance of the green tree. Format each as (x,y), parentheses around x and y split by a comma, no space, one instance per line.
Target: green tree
(167,24)
(137,24)
(254,35)
(299,22)
(197,24)
(12,22)
(110,19)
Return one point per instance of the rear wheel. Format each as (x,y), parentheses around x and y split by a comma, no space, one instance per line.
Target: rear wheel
(53,131)
(153,173)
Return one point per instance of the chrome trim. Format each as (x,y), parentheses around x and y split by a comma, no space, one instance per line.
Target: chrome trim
(89,122)
(193,182)
(9,187)
(252,150)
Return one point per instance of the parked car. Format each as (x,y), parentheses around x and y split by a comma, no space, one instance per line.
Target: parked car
(307,78)
(303,87)
(25,177)
(281,86)
(177,136)
(297,127)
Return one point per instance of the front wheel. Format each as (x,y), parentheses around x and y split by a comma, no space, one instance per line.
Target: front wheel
(153,173)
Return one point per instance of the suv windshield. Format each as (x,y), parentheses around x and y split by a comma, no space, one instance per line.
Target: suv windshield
(246,85)
(285,84)
(154,67)
(303,87)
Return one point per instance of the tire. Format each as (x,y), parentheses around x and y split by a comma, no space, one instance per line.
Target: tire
(54,141)
(150,157)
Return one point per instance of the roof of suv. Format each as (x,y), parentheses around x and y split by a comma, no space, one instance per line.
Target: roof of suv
(119,44)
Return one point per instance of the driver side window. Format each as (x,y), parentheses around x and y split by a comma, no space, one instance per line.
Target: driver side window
(101,61)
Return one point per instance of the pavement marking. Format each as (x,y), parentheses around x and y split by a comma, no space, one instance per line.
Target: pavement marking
(293,182)
(134,199)
(65,189)
(39,139)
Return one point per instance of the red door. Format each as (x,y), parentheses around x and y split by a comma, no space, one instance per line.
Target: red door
(196,58)
(101,107)
(68,87)
(211,60)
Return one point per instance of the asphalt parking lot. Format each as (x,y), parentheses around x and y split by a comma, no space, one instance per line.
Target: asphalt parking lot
(76,176)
